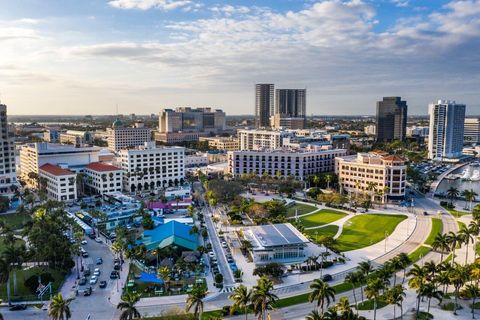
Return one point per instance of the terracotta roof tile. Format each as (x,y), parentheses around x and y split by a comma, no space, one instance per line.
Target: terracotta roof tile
(55,170)
(99,167)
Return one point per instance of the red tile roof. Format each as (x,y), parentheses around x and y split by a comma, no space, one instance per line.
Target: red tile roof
(393,157)
(55,170)
(99,167)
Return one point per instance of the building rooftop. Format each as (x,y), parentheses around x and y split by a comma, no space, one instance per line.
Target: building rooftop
(101,167)
(273,235)
(55,170)
(170,233)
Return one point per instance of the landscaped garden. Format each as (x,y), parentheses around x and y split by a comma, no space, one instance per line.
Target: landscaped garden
(323,217)
(15,220)
(322,232)
(437,227)
(300,208)
(365,230)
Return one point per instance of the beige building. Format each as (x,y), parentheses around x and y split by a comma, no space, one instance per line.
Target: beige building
(358,172)
(261,139)
(76,138)
(120,137)
(222,143)
(280,121)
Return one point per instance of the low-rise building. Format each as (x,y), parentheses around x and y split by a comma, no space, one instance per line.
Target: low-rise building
(52,134)
(417,131)
(102,177)
(176,137)
(472,130)
(380,174)
(370,130)
(196,160)
(262,139)
(280,121)
(59,183)
(76,138)
(121,137)
(222,143)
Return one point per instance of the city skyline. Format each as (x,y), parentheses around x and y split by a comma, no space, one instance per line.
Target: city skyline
(144,55)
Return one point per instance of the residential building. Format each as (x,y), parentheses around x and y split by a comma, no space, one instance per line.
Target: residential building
(34,155)
(222,143)
(76,138)
(152,168)
(261,139)
(52,135)
(59,183)
(196,160)
(281,243)
(264,104)
(417,131)
(391,121)
(102,178)
(471,130)
(284,162)
(358,173)
(290,109)
(8,175)
(446,134)
(121,137)
(370,130)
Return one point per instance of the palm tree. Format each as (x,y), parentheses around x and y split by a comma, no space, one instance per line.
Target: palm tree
(128,306)
(452,193)
(365,267)
(372,187)
(195,301)
(328,180)
(471,291)
(352,278)
(5,270)
(314,315)
(458,275)
(467,236)
(454,240)
(262,297)
(441,244)
(430,291)
(316,181)
(372,291)
(417,281)
(395,296)
(321,292)
(59,308)
(241,297)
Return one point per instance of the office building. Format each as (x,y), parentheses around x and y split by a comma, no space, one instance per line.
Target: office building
(8,175)
(298,163)
(222,143)
(278,121)
(386,172)
(52,134)
(290,109)
(446,134)
(472,131)
(103,178)
(152,168)
(391,119)
(370,130)
(417,131)
(76,138)
(264,104)
(122,137)
(59,183)
(261,139)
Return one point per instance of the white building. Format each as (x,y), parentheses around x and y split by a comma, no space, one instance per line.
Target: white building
(8,175)
(283,163)
(34,155)
(196,160)
(121,137)
(262,139)
(446,130)
(417,131)
(60,183)
(75,137)
(472,130)
(370,130)
(152,168)
(387,172)
(102,177)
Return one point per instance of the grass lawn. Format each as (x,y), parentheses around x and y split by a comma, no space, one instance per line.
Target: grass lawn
(23,293)
(325,231)
(365,230)
(15,220)
(456,213)
(437,227)
(419,252)
(461,225)
(368,304)
(301,209)
(323,217)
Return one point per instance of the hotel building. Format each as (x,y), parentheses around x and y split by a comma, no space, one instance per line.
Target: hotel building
(121,137)
(102,177)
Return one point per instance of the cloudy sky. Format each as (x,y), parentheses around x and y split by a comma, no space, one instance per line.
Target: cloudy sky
(85,57)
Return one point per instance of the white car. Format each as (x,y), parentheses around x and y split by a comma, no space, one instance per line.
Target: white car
(211,254)
(84,241)
(224,244)
(93,280)
(98,240)
(96,272)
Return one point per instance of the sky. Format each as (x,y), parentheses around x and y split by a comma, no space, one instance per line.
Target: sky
(90,56)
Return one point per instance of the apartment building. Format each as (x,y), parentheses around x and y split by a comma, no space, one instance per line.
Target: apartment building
(471,130)
(152,168)
(222,143)
(60,183)
(261,139)
(358,172)
(284,162)
(8,174)
(102,177)
(121,137)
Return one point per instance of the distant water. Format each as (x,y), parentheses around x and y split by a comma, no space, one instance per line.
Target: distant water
(461,185)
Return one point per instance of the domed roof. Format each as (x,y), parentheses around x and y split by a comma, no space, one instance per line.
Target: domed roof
(117,123)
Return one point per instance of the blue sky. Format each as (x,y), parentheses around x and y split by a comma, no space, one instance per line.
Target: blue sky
(77,57)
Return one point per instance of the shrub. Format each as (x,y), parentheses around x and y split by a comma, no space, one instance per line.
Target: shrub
(218,278)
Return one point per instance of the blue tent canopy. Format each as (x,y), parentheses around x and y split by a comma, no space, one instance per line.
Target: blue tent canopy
(150,277)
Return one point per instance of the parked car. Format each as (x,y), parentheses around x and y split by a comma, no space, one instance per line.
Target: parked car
(327,277)
(85,254)
(82,281)
(93,280)
(99,260)
(211,254)
(224,244)
(98,240)
(18,307)
(84,241)
(103,284)
(116,266)
(114,274)
(86,273)
(96,272)
(87,291)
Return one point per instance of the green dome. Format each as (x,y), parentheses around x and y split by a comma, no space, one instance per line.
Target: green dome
(117,123)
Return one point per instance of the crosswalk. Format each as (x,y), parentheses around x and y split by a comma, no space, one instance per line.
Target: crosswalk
(228,289)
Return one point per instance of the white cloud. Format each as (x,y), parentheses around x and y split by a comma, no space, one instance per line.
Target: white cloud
(401,3)
(165,5)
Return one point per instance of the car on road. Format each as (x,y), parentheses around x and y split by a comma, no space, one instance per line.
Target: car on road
(211,254)
(18,307)
(224,244)
(103,284)
(98,240)
(86,273)
(82,281)
(425,213)
(96,272)
(327,277)
(85,254)
(93,280)
(84,241)
(99,260)
(116,266)
(87,292)
(114,274)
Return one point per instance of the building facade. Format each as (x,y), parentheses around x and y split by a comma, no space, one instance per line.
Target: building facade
(121,137)
(76,138)
(446,134)
(391,119)
(102,178)
(264,104)
(278,121)
(472,131)
(8,174)
(283,163)
(261,139)
(370,130)
(185,119)
(357,173)
(152,168)
(60,183)
(222,143)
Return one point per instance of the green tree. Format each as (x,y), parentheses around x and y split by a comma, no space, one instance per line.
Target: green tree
(129,311)
(352,278)
(321,293)
(195,301)
(441,244)
(417,281)
(395,296)
(372,291)
(59,308)
(452,193)
(241,298)
(471,291)
(262,297)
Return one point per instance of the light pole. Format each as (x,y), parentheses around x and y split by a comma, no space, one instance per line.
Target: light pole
(386,235)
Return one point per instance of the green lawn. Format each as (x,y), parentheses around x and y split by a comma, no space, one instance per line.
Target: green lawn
(301,209)
(456,213)
(368,304)
(323,217)
(437,227)
(15,220)
(325,231)
(365,230)
(461,225)
(418,253)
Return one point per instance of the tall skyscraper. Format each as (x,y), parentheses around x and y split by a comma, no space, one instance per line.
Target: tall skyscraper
(445,139)
(291,103)
(8,176)
(264,104)
(391,119)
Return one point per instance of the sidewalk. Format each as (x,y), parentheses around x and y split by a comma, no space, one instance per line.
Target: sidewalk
(116,296)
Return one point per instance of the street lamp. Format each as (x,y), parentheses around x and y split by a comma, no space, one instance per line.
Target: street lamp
(386,235)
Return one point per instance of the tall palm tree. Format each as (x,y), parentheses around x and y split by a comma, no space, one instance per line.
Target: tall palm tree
(468,236)
(372,291)
(404,260)
(458,275)
(471,291)
(328,180)
(241,297)
(365,267)
(372,187)
(262,297)
(452,193)
(321,293)
(352,278)
(454,240)
(430,291)
(417,281)
(441,244)
(59,308)
(395,296)
(195,301)
(314,315)
(5,269)
(129,311)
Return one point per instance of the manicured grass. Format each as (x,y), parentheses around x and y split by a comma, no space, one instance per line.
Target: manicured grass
(419,252)
(365,230)
(325,231)
(450,305)
(461,225)
(323,217)
(301,209)
(456,213)
(15,220)
(368,305)
(437,227)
